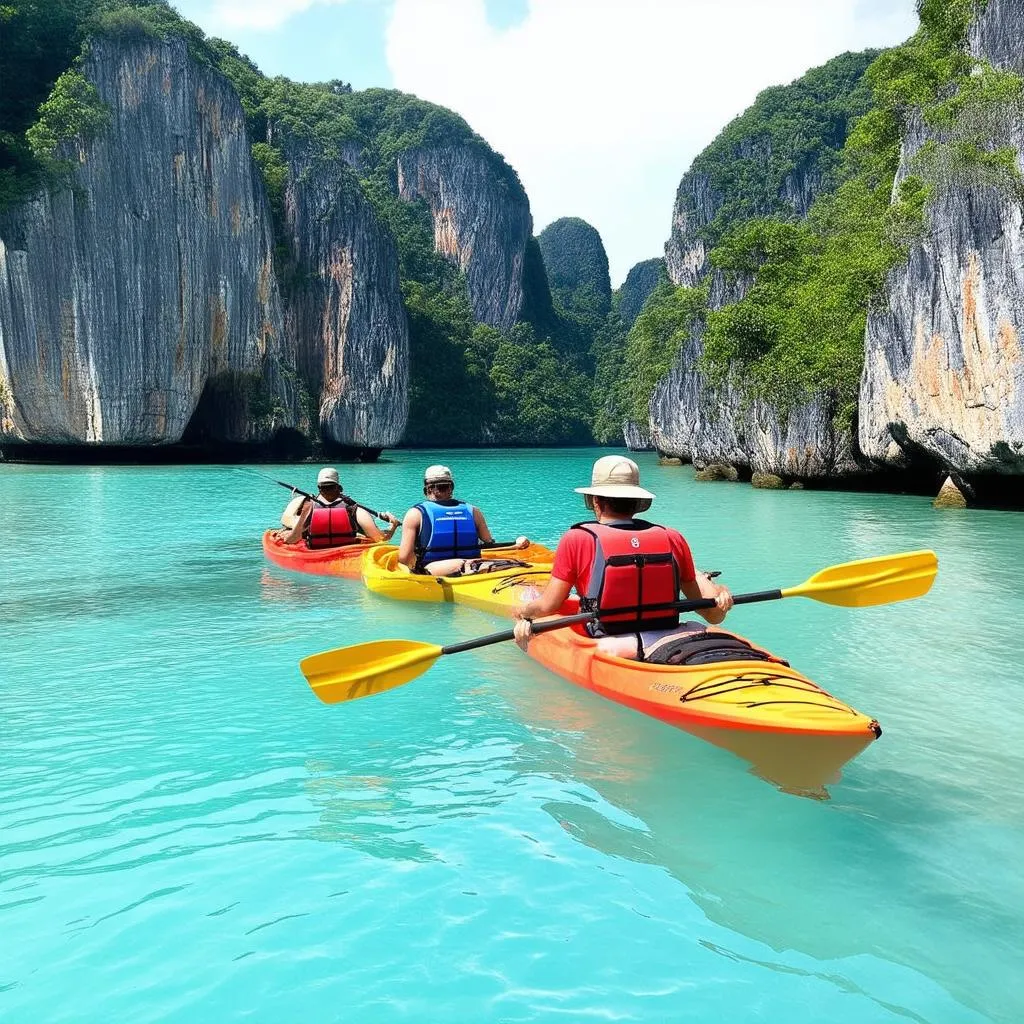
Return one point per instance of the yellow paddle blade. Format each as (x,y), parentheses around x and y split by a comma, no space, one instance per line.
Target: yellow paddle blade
(871,581)
(362,670)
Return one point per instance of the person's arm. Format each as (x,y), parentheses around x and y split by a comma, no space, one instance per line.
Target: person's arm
(294,535)
(410,532)
(552,598)
(483,531)
(703,587)
(370,528)
(695,585)
(564,575)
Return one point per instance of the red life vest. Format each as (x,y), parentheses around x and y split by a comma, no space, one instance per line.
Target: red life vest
(331,525)
(635,572)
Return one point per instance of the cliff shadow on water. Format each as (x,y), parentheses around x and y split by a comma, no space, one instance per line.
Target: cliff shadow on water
(285,446)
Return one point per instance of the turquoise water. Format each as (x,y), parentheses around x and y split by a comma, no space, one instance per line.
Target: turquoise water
(187,834)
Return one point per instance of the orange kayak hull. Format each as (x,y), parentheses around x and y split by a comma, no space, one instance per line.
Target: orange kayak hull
(791,731)
(341,561)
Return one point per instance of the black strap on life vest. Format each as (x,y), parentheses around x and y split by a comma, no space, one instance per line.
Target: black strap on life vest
(330,538)
(592,600)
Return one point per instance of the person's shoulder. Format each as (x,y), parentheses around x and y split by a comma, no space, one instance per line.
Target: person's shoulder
(575,539)
(677,537)
(670,530)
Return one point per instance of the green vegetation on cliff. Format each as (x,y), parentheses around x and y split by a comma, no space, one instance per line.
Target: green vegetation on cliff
(640,282)
(792,130)
(789,128)
(630,362)
(800,327)
(577,269)
(44,100)
(468,383)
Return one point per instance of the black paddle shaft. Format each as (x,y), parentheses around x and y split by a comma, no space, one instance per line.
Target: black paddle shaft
(313,497)
(571,620)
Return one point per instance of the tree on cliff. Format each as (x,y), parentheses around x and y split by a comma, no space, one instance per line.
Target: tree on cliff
(577,269)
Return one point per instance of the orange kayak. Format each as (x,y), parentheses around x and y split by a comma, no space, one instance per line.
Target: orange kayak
(792,731)
(341,561)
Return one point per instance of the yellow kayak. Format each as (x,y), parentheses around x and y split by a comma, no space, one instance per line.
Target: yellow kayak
(495,592)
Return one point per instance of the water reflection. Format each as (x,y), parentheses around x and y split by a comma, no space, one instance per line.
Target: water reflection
(771,867)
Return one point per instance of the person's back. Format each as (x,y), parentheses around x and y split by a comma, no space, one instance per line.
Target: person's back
(448,529)
(629,569)
(442,535)
(331,523)
(330,519)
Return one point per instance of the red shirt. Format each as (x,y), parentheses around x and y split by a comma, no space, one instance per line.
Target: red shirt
(574,557)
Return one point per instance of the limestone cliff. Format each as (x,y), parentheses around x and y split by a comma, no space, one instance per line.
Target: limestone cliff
(344,309)
(150,280)
(698,203)
(697,424)
(481,220)
(577,268)
(700,423)
(943,379)
(771,161)
(641,280)
(758,167)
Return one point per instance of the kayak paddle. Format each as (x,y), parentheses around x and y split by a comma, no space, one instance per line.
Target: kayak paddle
(361,670)
(316,498)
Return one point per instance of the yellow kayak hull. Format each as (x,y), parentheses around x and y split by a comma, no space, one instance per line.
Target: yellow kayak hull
(494,592)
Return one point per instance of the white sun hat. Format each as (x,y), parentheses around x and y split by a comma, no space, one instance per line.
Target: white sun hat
(615,476)
(328,475)
(438,475)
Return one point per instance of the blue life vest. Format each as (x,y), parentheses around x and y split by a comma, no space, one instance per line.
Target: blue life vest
(447,530)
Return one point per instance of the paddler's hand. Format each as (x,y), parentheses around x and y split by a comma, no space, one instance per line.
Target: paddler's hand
(521,544)
(392,519)
(723,599)
(523,630)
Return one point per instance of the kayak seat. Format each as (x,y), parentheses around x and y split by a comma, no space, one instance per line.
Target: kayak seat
(707,647)
(475,566)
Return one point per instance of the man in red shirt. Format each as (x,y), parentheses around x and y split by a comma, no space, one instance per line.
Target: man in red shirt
(627,568)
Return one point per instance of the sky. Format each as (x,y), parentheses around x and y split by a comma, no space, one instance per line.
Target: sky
(599,105)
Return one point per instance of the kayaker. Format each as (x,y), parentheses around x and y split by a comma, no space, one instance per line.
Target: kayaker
(333,519)
(620,562)
(442,535)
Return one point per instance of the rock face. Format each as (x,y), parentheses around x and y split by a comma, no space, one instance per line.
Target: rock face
(697,203)
(577,267)
(124,298)
(344,311)
(949,496)
(637,436)
(694,422)
(996,35)
(686,251)
(481,222)
(943,378)
(689,418)
(641,280)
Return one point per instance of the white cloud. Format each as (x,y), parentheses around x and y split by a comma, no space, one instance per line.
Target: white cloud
(601,105)
(262,15)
